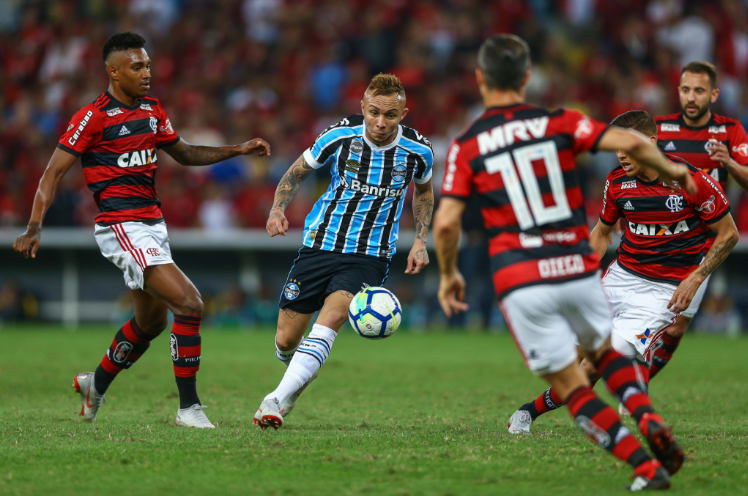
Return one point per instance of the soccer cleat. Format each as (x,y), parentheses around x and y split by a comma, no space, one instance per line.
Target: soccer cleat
(193,416)
(269,414)
(83,383)
(519,422)
(649,476)
(662,443)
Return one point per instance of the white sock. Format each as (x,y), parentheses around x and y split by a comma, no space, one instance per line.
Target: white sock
(306,362)
(284,356)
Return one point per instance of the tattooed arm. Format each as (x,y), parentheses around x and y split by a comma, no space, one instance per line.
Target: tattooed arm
(727,237)
(423,206)
(187,154)
(284,193)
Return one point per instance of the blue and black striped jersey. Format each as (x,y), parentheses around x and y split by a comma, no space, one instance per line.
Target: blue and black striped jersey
(360,211)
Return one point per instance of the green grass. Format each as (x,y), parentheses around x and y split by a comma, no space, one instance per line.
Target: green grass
(414,414)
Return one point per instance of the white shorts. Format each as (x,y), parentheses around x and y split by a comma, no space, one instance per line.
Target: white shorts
(640,312)
(548,320)
(133,246)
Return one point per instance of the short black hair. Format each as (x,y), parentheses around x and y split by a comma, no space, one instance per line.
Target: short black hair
(636,119)
(122,41)
(504,59)
(702,67)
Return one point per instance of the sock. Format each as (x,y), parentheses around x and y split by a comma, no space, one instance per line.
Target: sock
(546,402)
(284,356)
(626,379)
(306,362)
(602,424)
(185,354)
(663,353)
(128,345)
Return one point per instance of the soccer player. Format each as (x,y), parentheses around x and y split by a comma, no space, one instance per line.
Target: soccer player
(350,233)
(659,277)
(711,142)
(116,138)
(518,159)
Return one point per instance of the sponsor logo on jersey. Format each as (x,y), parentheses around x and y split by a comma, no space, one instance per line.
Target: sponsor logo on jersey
(530,240)
(717,129)
(674,203)
(670,147)
(741,149)
(356,146)
(449,174)
(710,180)
(398,172)
(123,131)
(122,351)
(708,206)
(659,229)
(174,347)
(145,106)
(560,266)
(351,166)
(166,128)
(138,157)
(292,290)
(154,124)
(628,205)
(152,252)
(675,128)
(382,191)
(644,336)
(114,111)
(556,237)
(628,184)
(583,130)
(77,134)
(507,134)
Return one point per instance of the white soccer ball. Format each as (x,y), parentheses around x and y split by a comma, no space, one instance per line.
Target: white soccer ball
(375,313)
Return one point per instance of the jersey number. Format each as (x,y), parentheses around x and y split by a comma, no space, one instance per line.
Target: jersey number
(537,213)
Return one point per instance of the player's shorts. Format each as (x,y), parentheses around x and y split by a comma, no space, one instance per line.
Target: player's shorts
(548,320)
(317,273)
(640,312)
(133,246)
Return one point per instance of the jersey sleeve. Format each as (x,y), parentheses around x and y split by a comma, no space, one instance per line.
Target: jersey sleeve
(83,131)
(710,201)
(585,131)
(326,143)
(739,144)
(423,173)
(458,175)
(609,213)
(165,134)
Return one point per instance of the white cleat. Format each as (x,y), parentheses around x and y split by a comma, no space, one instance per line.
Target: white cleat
(83,383)
(623,411)
(519,422)
(269,414)
(193,416)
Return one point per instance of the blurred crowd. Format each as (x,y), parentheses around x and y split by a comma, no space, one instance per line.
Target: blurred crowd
(284,69)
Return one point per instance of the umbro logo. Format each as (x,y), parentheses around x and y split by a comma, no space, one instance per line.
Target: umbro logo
(628,206)
(670,147)
(123,131)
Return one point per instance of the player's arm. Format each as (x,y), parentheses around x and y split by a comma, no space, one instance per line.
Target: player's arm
(59,164)
(726,238)
(720,153)
(188,154)
(284,193)
(600,237)
(423,207)
(639,147)
(447,227)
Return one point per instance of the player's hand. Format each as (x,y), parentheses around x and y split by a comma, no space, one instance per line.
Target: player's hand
(684,293)
(718,152)
(255,146)
(28,242)
(418,258)
(277,223)
(680,175)
(452,293)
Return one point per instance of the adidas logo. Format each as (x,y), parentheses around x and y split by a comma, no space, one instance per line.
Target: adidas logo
(123,131)
(670,146)
(628,206)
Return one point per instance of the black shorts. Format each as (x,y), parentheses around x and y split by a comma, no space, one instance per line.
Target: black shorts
(317,273)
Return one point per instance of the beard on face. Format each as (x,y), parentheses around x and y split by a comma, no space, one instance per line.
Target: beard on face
(701,111)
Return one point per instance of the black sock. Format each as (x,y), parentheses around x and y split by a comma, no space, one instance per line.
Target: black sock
(187,387)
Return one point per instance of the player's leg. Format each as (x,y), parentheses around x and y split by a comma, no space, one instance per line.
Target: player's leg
(288,333)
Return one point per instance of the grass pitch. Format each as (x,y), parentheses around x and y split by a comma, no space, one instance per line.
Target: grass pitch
(417,414)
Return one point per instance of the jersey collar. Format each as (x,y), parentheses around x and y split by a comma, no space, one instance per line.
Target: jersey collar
(387,146)
(710,122)
(129,107)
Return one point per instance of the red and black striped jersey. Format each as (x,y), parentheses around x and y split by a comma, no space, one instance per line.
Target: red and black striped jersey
(519,162)
(117,145)
(664,230)
(690,143)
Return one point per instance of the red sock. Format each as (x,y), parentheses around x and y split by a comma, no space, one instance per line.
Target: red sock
(627,379)
(663,352)
(128,345)
(546,402)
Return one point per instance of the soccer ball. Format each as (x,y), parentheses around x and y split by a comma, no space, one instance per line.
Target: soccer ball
(375,313)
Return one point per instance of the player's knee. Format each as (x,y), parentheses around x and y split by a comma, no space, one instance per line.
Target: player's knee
(286,341)
(191,304)
(155,326)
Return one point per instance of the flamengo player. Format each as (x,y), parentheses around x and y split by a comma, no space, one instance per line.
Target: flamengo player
(711,142)
(518,160)
(116,138)
(659,277)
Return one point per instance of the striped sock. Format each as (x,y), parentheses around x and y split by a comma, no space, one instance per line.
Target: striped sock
(546,402)
(128,345)
(284,356)
(306,362)
(602,424)
(627,379)
(664,349)
(185,354)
